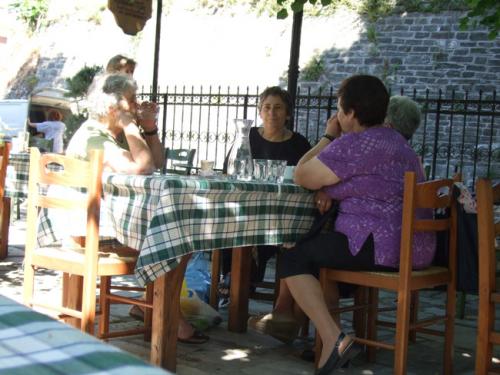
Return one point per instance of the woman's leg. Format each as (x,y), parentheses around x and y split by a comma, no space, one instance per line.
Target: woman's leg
(306,291)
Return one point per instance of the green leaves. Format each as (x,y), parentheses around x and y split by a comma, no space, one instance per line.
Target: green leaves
(80,82)
(485,13)
(282,14)
(30,12)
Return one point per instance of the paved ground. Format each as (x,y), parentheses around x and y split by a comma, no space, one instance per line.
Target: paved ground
(252,353)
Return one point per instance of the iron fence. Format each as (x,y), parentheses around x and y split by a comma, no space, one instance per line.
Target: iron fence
(459,131)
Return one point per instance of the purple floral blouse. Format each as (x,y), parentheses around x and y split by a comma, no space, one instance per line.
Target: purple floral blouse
(371,166)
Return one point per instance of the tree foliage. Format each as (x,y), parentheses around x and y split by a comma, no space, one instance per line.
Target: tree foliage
(485,13)
(31,12)
(78,85)
(479,12)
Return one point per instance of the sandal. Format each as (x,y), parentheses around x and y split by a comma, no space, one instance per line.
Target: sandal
(197,337)
(223,290)
(280,327)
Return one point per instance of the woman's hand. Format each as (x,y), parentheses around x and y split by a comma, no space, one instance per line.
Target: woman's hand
(333,126)
(147,115)
(323,201)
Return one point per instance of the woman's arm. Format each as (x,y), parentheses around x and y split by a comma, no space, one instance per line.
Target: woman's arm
(310,172)
(139,160)
(148,121)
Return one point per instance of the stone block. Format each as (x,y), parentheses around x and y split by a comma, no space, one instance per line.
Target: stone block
(453,73)
(461,59)
(478,36)
(420,49)
(440,35)
(422,35)
(480,60)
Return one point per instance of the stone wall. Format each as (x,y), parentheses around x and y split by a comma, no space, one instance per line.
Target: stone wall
(418,51)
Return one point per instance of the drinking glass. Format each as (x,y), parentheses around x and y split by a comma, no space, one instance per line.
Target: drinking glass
(260,169)
(280,170)
(276,170)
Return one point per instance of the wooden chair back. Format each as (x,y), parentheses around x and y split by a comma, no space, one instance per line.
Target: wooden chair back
(488,197)
(46,171)
(179,161)
(4,201)
(59,170)
(432,195)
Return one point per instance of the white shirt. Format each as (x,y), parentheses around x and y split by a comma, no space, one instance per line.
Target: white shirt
(53,130)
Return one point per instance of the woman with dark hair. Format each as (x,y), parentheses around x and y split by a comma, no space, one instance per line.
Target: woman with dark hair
(53,129)
(360,163)
(272,141)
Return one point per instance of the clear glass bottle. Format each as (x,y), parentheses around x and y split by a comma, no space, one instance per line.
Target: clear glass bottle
(239,163)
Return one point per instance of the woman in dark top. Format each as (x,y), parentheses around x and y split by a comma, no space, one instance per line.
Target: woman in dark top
(290,150)
(272,141)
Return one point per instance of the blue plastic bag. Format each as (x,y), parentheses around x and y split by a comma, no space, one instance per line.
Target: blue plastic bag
(198,275)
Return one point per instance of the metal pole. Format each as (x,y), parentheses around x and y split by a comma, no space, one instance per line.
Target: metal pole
(293,67)
(159,6)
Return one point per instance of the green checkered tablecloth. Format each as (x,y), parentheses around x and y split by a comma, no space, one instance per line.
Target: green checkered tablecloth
(16,182)
(170,216)
(32,343)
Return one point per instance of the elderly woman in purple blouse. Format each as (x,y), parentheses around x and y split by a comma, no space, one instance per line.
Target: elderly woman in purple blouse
(361,164)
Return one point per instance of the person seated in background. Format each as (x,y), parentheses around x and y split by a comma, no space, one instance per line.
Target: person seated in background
(403,115)
(363,168)
(52,129)
(272,141)
(121,64)
(130,143)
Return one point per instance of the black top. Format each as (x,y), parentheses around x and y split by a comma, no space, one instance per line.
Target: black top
(290,150)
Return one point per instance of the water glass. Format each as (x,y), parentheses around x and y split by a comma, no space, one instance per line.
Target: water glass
(288,176)
(260,169)
(276,170)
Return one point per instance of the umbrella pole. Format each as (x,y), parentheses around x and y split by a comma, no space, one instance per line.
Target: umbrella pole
(159,7)
(293,66)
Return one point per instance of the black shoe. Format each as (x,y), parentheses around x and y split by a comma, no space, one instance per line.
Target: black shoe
(332,361)
(337,360)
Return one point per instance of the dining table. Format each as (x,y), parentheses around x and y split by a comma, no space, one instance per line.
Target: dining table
(34,343)
(168,217)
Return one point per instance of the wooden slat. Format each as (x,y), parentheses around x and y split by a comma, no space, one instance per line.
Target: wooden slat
(434,194)
(61,203)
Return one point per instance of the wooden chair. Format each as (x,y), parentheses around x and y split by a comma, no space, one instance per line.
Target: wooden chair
(4,201)
(433,195)
(489,294)
(87,258)
(179,161)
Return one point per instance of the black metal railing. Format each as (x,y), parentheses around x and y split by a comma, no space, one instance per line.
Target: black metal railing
(459,131)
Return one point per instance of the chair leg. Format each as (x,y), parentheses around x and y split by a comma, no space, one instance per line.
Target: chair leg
(371,333)
(414,314)
(451,304)
(148,313)
(359,316)
(402,333)
(214,281)
(4,228)
(88,303)
(104,306)
(485,324)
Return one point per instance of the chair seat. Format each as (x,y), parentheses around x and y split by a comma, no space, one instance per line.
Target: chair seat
(415,273)
(111,260)
(426,278)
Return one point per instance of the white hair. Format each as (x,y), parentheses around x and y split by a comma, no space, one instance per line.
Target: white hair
(106,91)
